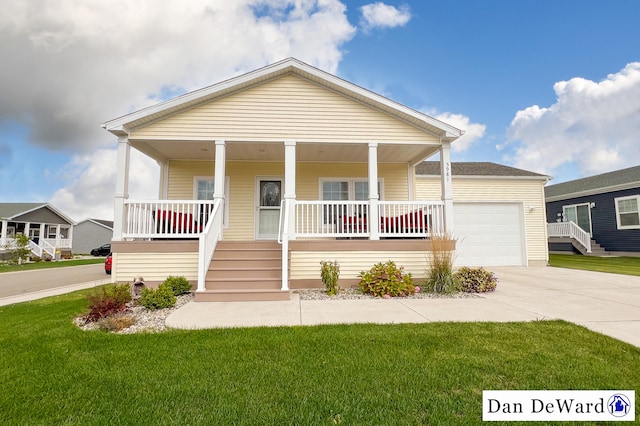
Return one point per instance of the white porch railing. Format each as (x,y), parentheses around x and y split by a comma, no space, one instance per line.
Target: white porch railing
(412,219)
(166,218)
(572,230)
(55,242)
(209,238)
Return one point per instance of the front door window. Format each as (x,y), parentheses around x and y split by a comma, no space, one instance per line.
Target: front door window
(269,197)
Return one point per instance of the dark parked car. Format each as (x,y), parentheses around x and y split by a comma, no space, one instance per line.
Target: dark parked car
(107,264)
(102,250)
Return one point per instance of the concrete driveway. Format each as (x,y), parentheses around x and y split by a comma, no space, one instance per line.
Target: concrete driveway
(605,303)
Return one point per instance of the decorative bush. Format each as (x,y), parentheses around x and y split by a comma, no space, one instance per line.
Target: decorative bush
(476,280)
(178,285)
(329,272)
(107,301)
(386,279)
(440,278)
(160,298)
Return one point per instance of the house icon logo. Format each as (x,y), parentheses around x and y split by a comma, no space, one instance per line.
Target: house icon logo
(618,405)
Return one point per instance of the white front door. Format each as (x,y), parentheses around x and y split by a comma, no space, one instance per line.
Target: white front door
(268,197)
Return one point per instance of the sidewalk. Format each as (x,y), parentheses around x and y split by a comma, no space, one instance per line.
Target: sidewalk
(26,297)
(605,303)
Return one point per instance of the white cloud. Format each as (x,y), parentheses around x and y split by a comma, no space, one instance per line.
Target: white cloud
(73,65)
(91,179)
(594,124)
(380,15)
(82,63)
(472,131)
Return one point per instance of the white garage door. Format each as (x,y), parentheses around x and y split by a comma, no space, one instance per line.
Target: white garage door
(489,234)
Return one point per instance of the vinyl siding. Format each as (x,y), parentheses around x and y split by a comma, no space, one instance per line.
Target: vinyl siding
(242,184)
(87,235)
(287,108)
(527,191)
(306,265)
(603,220)
(154,267)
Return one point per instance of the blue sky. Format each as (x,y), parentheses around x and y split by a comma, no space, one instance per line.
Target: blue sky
(548,86)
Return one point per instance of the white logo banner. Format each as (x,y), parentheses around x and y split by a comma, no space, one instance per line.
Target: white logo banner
(559,405)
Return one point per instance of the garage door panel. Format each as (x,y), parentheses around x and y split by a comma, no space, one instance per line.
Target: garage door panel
(489,234)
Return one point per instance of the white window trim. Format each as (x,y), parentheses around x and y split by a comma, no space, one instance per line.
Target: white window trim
(225,220)
(615,202)
(351,185)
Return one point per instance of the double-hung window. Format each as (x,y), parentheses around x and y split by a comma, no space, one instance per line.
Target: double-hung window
(203,189)
(352,189)
(628,212)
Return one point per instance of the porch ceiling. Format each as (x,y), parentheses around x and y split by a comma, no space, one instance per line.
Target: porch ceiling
(274,151)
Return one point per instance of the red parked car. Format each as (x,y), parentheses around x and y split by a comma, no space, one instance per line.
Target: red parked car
(107,264)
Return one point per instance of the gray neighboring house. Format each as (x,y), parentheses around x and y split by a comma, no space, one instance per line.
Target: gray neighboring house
(48,229)
(91,233)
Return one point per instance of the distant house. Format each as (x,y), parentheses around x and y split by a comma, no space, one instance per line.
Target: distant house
(47,227)
(605,208)
(91,233)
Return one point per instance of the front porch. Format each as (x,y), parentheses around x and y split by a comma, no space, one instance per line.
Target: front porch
(44,239)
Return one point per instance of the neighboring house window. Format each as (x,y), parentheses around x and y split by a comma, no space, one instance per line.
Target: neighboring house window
(627,212)
(203,189)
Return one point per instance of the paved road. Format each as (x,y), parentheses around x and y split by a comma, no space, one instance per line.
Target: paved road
(18,283)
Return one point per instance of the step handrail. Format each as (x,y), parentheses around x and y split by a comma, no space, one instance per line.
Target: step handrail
(572,230)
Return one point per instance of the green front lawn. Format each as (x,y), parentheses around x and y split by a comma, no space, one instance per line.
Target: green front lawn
(616,265)
(53,373)
(46,265)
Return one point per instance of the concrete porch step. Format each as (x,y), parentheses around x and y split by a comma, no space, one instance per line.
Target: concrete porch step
(252,295)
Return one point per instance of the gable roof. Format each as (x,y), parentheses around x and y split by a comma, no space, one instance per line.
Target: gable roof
(606,182)
(481,168)
(12,210)
(103,223)
(120,126)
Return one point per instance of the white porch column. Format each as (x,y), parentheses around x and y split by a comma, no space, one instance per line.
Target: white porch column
(163,187)
(447,187)
(27,226)
(42,235)
(58,236)
(289,233)
(290,184)
(218,179)
(373,219)
(3,233)
(122,188)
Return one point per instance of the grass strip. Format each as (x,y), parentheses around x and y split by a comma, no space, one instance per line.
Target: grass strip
(53,373)
(615,265)
(48,265)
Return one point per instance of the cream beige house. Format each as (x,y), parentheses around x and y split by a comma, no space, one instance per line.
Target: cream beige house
(268,173)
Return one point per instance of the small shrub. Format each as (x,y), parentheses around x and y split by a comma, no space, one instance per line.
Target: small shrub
(160,298)
(107,301)
(476,280)
(116,322)
(440,278)
(386,280)
(178,285)
(329,272)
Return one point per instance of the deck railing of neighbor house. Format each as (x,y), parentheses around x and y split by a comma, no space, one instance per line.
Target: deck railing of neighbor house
(209,238)
(166,218)
(572,230)
(408,219)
